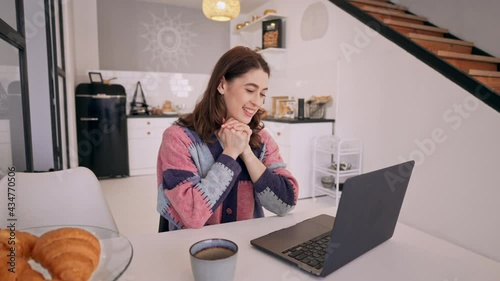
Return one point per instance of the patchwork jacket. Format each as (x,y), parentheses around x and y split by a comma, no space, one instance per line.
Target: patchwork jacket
(198,185)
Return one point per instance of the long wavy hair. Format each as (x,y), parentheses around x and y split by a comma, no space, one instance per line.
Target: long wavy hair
(210,110)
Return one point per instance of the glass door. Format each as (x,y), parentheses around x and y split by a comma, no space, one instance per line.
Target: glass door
(15,129)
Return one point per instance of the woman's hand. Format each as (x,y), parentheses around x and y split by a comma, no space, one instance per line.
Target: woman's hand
(235,137)
(232,123)
(234,131)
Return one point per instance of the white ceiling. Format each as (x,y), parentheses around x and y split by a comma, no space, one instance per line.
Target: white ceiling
(246,5)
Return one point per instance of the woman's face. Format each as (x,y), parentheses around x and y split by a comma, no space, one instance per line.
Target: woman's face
(245,94)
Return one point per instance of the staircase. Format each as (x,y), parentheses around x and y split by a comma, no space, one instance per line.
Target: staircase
(459,53)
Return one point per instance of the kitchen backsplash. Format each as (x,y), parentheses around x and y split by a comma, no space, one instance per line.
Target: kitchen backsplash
(179,88)
(186,88)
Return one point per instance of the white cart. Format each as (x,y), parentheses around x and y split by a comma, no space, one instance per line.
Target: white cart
(334,161)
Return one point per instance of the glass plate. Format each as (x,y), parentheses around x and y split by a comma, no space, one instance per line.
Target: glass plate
(116,252)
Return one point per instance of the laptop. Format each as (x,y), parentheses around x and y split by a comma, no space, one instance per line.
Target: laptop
(366,217)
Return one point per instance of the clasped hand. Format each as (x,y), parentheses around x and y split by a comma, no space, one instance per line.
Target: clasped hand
(235,137)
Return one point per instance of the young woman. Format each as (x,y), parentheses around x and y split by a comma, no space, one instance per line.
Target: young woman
(217,165)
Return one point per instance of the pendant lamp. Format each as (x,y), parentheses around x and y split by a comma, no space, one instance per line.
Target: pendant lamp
(221,10)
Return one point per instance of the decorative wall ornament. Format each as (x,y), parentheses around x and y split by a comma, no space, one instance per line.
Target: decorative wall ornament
(314,22)
(221,10)
(169,39)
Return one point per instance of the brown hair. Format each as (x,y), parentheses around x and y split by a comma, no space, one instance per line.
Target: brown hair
(209,111)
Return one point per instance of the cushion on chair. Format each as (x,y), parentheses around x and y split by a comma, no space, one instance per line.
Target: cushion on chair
(67,197)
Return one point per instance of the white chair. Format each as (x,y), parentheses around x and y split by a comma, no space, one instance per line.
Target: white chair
(67,197)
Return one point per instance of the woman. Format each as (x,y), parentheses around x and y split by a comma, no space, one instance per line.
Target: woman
(217,165)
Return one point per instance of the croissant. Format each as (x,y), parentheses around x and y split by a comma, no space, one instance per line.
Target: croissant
(69,254)
(13,270)
(30,275)
(22,242)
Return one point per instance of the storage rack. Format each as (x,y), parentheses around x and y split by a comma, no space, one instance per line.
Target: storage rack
(329,150)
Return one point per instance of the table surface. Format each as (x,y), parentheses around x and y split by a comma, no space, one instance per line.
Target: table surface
(410,255)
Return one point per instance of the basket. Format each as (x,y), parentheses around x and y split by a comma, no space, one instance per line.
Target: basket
(316,110)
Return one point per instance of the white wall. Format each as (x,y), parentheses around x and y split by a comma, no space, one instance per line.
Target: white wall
(402,109)
(475,21)
(86,44)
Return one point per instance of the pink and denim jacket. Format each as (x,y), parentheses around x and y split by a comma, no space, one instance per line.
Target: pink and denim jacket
(198,185)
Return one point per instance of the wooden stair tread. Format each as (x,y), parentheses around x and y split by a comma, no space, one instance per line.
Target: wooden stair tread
(394,14)
(460,56)
(415,26)
(381,4)
(485,73)
(440,39)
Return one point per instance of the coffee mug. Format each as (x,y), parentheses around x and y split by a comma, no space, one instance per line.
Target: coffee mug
(213,259)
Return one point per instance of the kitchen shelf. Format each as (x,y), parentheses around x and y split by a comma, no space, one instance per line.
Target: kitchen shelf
(327,150)
(257,24)
(352,172)
(327,191)
(272,51)
(344,152)
(251,35)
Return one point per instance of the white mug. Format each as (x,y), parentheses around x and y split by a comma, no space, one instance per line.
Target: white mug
(213,259)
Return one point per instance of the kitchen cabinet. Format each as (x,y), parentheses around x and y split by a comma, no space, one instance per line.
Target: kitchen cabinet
(334,161)
(144,139)
(5,147)
(296,143)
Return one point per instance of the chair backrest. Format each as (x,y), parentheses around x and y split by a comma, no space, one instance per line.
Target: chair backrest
(67,197)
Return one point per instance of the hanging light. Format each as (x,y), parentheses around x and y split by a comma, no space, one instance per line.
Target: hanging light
(221,10)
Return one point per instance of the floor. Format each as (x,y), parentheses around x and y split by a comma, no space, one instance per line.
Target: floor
(132,201)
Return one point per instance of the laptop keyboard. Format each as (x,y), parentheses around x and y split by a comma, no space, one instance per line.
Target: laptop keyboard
(311,252)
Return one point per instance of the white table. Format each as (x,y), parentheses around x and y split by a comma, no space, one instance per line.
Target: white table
(410,255)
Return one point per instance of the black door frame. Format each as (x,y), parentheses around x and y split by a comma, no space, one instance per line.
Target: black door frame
(56,72)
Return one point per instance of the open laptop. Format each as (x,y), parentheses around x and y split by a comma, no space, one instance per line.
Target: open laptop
(366,217)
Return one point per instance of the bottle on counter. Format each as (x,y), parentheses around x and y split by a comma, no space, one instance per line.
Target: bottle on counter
(300,111)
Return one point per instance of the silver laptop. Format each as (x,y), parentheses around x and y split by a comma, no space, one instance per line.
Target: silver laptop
(366,217)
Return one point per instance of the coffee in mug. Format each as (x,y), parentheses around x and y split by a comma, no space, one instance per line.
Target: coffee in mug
(215,253)
(213,259)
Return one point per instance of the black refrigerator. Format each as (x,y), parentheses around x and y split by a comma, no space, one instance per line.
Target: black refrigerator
(101,121)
